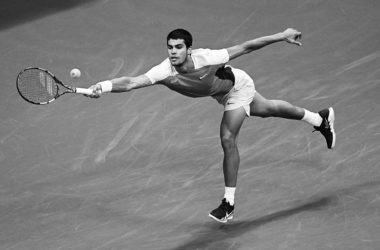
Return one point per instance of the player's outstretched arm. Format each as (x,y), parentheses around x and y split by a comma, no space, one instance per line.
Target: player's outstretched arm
(118,85)
(289,35)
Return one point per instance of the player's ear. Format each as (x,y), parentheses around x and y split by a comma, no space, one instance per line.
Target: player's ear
(189,51)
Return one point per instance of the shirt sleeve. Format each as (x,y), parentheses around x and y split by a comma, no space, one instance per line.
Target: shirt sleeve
(205,57)
(159,72)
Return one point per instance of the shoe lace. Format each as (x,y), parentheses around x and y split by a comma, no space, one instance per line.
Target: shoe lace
(324,125)
(224,205)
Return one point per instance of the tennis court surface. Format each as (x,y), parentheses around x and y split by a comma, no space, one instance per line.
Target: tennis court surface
(142,170)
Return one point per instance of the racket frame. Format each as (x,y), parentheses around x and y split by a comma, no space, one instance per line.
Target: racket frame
(68,89)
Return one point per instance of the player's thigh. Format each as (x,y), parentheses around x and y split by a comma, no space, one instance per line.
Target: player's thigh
(260,106)
(231,122)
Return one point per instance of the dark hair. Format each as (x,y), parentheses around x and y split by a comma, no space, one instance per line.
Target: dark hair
(181,34)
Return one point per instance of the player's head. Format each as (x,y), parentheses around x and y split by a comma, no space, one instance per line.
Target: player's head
(179,43)
(181,34)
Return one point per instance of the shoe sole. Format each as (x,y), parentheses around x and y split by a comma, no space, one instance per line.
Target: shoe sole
(224,220)
(331,120)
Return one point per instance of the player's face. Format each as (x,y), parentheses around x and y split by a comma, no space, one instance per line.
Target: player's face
(177,51)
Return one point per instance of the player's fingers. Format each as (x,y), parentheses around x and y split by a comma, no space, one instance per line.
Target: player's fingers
(292,41)
(297,42)
(98,92)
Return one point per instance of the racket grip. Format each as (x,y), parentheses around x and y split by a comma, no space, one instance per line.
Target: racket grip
(83,91)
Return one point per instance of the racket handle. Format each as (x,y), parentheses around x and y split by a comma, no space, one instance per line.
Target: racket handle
(83,91)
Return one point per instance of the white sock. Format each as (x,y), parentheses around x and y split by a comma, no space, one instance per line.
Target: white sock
(312,118)
(229,194)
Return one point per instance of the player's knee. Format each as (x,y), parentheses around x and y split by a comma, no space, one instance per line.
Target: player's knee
(228,141)
(273,110)
(269,110)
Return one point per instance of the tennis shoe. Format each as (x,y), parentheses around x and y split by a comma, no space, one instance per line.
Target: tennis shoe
(223,213)
(327,126)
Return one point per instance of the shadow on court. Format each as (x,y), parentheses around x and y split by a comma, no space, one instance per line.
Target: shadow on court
(216,236)
(15,12)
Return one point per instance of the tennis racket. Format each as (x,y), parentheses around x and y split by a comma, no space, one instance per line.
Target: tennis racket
(39,86)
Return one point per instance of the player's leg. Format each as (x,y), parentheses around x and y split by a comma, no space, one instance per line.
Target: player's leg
(263,107)
(322,121)
(229,130)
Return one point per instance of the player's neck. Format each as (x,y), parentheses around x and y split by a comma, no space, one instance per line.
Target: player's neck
(185,67)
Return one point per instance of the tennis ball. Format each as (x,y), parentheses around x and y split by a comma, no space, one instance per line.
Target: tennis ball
(75,73)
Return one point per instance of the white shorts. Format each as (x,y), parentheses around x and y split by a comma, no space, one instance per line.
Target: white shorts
(241,95)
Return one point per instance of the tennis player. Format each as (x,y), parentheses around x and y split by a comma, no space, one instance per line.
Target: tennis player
(203,72)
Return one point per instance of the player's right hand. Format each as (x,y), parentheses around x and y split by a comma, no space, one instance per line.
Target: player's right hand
(96,91)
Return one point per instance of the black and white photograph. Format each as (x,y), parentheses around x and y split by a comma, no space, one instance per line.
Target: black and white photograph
(190,125)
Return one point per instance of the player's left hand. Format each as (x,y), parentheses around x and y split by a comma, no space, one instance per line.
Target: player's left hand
(292,36)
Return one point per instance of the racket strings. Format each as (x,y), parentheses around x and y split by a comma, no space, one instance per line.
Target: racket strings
(37,86)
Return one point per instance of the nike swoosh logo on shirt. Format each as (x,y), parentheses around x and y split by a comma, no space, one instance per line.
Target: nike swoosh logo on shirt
(202,76)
